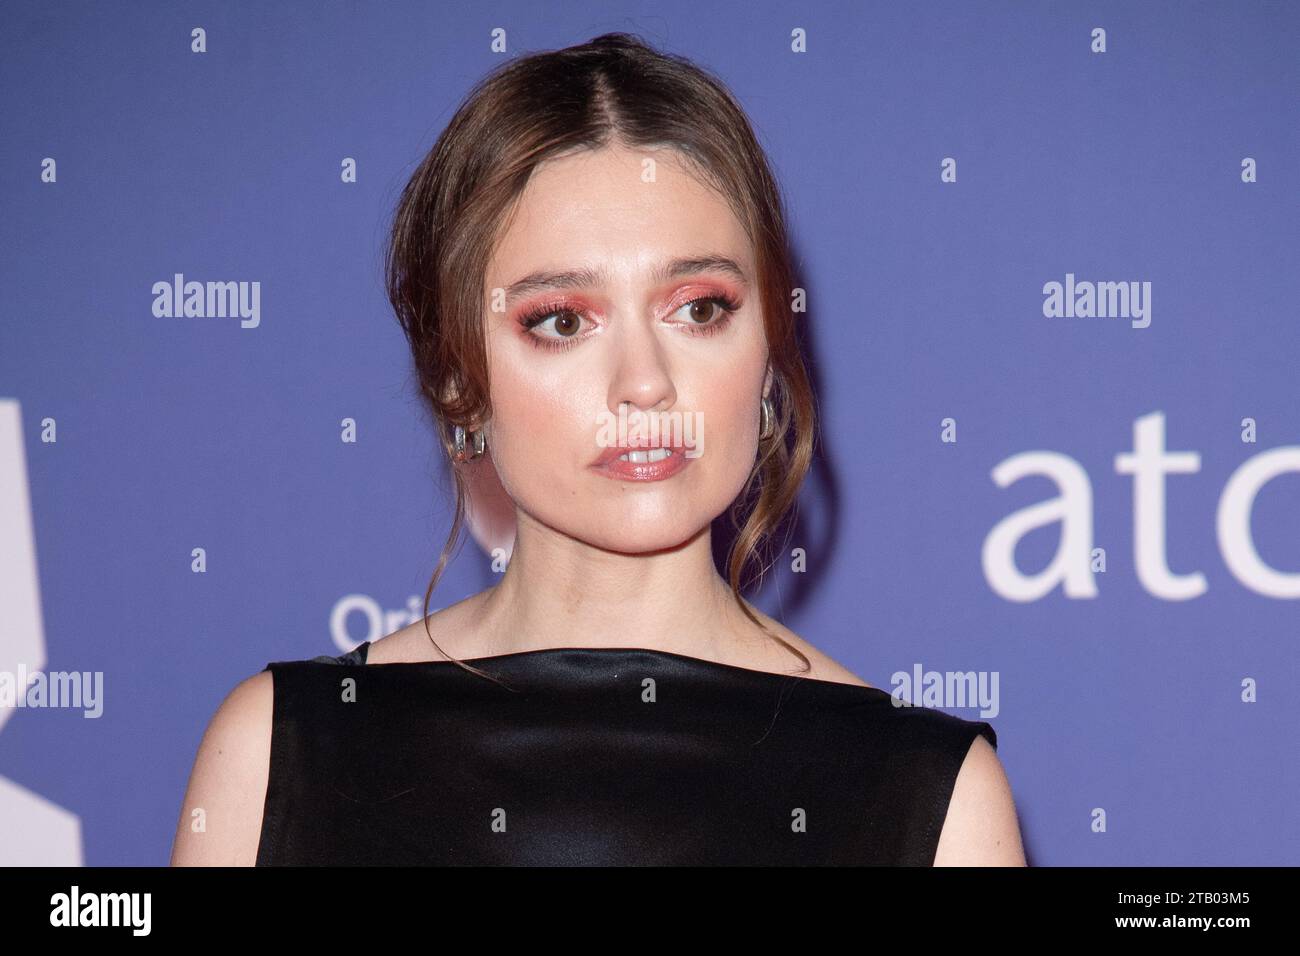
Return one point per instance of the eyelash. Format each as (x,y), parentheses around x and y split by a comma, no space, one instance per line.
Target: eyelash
(543,312)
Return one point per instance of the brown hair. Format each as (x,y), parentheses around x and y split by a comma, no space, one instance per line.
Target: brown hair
(612,89)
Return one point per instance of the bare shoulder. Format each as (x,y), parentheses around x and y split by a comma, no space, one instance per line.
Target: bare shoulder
(822,665)
(221,817)
(451,627)
(827,668)
(981,828)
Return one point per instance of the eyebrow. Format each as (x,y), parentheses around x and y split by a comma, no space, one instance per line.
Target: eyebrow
(586,278)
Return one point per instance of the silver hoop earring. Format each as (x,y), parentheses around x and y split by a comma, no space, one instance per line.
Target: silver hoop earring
(458,441)
(767,419)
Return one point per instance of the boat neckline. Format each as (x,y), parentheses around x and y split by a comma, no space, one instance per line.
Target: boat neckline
(537,651)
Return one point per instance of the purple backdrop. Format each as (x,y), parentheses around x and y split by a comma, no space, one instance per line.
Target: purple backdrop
(943,162)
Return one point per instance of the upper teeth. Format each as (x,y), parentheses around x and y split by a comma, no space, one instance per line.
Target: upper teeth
(646,457)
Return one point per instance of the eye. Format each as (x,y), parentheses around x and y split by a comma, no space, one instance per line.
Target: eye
(708,314)
(565,322)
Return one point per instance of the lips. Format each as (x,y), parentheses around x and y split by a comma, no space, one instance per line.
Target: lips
(611,466)
(645,444)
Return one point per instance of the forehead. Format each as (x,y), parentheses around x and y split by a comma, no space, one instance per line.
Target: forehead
(624,208)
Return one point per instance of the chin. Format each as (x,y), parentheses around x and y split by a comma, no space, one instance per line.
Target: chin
(640,537)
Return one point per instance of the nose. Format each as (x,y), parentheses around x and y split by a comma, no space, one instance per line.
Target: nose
(643,379)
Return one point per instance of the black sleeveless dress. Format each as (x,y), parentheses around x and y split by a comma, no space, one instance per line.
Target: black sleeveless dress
(601,756)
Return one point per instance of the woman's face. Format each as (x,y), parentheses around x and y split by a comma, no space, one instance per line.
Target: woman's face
(604,239)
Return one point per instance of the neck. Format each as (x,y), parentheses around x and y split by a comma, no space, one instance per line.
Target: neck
(561,592)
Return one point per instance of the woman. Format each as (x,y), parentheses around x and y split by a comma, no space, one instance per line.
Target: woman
(595,246)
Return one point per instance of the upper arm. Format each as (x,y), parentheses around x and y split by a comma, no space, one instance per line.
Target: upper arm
(221,818)
(981,828)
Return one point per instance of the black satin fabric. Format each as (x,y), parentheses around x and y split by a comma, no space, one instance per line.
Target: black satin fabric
(603,756)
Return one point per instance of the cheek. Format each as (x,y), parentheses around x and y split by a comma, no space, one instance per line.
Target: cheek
(525,431)
(522,400)
(540,431)
(546,407)
(727,425)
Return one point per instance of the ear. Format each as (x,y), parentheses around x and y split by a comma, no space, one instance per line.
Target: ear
(767,382)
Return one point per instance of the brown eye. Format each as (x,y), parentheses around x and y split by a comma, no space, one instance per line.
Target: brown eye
(702,310)
(567,323)
(703,319)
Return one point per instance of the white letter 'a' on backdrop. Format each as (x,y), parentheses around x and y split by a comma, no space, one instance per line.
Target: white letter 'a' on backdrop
(33,831)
